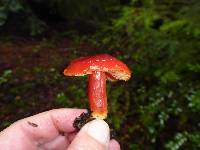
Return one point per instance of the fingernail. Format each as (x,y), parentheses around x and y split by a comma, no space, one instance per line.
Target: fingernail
(99,130)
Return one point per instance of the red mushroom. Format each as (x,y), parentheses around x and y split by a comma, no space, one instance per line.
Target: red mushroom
(100,68)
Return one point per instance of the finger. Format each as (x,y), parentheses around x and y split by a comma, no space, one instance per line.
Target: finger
(94,135)
(59,143)
(50,124)
(114,145)
(71,136)
(41,128)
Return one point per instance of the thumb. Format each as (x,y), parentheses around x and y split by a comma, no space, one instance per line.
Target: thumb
(93,135)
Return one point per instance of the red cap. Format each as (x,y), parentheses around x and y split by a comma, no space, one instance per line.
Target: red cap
(114,68)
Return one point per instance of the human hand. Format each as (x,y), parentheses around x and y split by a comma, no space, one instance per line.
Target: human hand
(53,130)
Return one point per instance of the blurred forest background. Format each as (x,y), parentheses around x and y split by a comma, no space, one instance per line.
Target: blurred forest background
(159,40)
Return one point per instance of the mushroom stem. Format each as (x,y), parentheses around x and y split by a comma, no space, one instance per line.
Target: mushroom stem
(97,94)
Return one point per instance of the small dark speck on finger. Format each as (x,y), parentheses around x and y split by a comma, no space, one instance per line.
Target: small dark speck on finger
(32,124)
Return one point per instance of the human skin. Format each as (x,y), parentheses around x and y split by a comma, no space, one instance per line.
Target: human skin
(53,130)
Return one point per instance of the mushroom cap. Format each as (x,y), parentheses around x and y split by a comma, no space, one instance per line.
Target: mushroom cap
(114,68)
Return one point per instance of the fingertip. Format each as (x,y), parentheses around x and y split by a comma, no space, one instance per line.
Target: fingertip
(114,145)
(99,130)
(93,135)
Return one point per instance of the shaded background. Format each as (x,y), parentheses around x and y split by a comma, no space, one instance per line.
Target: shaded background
(158,108)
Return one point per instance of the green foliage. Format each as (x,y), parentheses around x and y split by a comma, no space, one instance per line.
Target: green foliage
(74,95)
(31,22)
(71,12)
(82,12)
(194,67)
(160,43)
(169,76)
(36,26)
(7,74)
(7,6)
(177,143)
(115,100)
(62,100)
(194,101)
(181,138)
